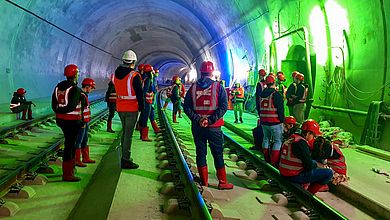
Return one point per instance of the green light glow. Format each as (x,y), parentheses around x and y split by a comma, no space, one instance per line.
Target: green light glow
(267,42)
(338,21)
(318,32)
(240,65)
(282,46)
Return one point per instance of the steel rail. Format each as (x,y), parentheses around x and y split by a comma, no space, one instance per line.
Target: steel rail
(198,207)
(7,180)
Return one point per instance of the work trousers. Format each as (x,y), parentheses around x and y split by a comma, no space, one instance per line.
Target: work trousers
(20,108)
(274,132)
(176,106)
(111,110)
(71,130)
(128,120)
(317,175)
(151,115)
(238,109)
(214,137)
(82,138)
(299,112)
(143,121)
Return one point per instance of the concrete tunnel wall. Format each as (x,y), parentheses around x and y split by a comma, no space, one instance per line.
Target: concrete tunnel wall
(176,35)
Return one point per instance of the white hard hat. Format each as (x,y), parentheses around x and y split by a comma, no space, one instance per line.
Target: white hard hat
(129,56)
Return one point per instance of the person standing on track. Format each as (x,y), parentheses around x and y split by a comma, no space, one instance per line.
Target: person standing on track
(111,103)
(66,103)
(205,104)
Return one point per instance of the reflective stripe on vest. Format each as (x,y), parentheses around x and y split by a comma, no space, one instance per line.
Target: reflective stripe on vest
(63,100)
(205,101)
(268,112)
(126,98)
(149,96)
(12,106)
(112,97)
(289,164)
(239,93)
(303,99)
(86,111)
(338,165)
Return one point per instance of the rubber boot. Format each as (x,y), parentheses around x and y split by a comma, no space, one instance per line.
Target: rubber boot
(85,153)
(109,127)
(30,114)
(179,113)
(24,112)
(236,121)
(324,188)
(165,105)
(174,119)
(241,121)
(68,172)
(223,184)
(204,175)
(275,158)
(315,187)
(78,158)
(144,134)
(156,129)
(266,155)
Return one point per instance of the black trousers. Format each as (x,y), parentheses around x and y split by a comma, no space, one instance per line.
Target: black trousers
(111,110)
(71,130)
(21,107)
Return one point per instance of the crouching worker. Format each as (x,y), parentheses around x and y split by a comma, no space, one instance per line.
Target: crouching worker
(331,157)
(205,104)
(82,148)
(289,127)
(296,164)
(20,104)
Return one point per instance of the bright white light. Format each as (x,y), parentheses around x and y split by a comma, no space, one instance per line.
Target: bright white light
(193,75)
(318,31)
(217,75)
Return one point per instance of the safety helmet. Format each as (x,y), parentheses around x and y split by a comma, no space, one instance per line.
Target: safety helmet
(300,77)
(174,78)
(262,72)
(21,91)
(294,74)
(148,68)
(270,79)
(129,56)
(141,67)
(89,82)
(156,70)
(207,67)
(71,70)
(290,120)
(311,125)
(280,76)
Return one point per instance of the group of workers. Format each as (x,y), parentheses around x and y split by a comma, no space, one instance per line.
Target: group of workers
(298,152)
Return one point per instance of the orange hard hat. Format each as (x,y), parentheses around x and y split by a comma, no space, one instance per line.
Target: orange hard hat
(71,70)
(300,77)
(280,76)
(311,125)
(141,67)
(148,68)
(290,120)
(174,78)
(270,79)
(294,74)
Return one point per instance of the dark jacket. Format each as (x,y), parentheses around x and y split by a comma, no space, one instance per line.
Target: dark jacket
(291,94)
(121,72)
(258,92)
(110,89)
(300,92)
(175,93)
(19,99)
(302,151)
(222,103)
(74,97)
(278,103)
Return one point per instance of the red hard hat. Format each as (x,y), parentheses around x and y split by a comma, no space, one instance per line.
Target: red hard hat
(294,74)
(300,77)
(141,67)
(71,70)
(311,125)
(290,120)
(148,68)
(270,79)
(174,78)
(280,76)
(207,67)
(20,91)
(262,72)
(89,82)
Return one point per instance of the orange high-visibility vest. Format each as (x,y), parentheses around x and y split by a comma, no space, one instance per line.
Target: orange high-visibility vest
(126,99)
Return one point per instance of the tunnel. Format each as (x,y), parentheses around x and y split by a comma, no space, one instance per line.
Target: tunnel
(340,46)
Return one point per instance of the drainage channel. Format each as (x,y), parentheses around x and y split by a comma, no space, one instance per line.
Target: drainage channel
(42,146)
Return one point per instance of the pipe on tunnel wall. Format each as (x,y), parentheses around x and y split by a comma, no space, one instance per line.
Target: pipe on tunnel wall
(337,109)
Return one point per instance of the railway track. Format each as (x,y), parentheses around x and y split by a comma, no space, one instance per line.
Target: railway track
(27,149)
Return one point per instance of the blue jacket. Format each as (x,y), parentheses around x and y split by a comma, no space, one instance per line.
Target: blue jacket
(188,106)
